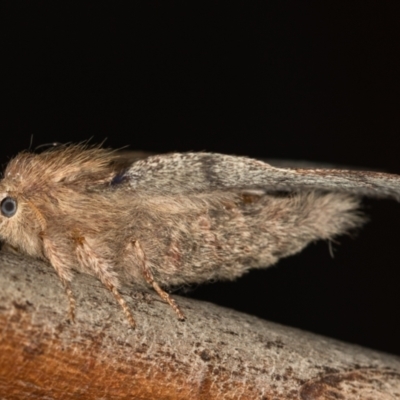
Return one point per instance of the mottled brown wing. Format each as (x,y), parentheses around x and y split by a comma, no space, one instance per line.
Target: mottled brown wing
(183,173)
(127,157)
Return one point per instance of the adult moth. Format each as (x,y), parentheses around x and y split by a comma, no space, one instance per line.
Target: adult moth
(174,219)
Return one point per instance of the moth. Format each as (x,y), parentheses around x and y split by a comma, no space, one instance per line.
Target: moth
(174,219)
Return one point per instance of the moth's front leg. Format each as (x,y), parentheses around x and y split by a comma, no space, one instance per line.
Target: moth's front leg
(63,271)
(100,267)
(139,255)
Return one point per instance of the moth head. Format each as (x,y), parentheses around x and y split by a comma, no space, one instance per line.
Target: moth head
(19,226)
(8,206)
(38,189)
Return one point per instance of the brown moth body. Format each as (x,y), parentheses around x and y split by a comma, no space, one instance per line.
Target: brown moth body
(170,220)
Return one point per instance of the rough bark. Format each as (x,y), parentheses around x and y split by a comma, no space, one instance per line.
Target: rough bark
(215,354)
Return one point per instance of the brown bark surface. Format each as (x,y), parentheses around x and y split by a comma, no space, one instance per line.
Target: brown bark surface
(216,353)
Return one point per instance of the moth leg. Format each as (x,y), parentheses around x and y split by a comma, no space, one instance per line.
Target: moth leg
(121,301)
(148,276)
(63,272)
(88,257)
(71,299)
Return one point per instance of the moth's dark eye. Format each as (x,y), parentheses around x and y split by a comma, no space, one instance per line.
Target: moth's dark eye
(8,207)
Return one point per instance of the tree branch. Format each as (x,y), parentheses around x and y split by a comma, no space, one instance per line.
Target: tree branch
(215,354)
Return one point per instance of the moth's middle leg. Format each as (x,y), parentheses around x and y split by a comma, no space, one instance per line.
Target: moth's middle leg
(87,256)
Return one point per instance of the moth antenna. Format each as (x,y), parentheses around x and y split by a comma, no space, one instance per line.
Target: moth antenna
(148,276)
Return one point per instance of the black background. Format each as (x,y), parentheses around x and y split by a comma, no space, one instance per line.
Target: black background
(317,81)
